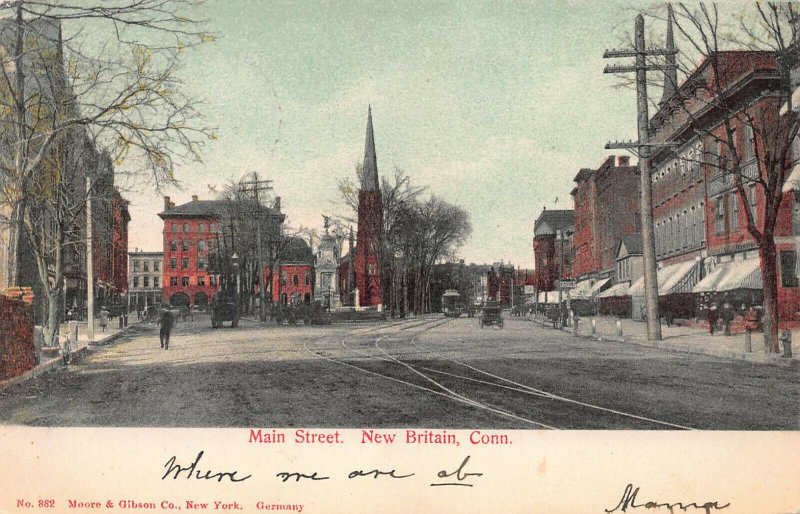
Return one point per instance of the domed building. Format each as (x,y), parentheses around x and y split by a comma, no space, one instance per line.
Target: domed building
(293,276)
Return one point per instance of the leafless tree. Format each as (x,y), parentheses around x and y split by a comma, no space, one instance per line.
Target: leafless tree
(123,93)
(747,145)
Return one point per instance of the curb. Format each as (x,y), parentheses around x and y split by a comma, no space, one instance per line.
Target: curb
(753,358)
(55,362)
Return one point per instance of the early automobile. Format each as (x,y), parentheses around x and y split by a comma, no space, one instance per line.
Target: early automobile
(491,314)
(224,307)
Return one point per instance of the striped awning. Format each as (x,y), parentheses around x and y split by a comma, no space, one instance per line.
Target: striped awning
(600,285)
(582,290)
(617,290)
(675,278)
(727,276)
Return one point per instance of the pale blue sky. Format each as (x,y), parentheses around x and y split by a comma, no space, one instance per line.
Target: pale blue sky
(493,105)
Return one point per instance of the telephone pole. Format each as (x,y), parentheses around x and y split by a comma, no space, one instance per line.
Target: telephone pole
(256,186)
(643,146)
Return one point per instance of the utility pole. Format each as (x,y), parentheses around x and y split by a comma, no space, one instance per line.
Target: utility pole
(89,263)
(255,186)
(643,146)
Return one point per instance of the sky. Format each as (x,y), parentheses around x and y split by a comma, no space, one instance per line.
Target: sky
(494,106)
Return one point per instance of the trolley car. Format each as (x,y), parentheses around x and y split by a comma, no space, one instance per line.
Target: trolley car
(451,303)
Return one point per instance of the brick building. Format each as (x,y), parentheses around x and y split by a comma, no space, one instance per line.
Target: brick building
(552,237)
(191,234)
(705,253)
(293,279)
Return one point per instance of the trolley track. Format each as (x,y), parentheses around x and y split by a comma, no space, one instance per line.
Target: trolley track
(467,384)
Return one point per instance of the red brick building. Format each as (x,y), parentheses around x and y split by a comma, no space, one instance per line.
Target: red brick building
(293,283)
(607,202)
(552,236)
(369,236)
(190,236)
(119,244)
(706,254)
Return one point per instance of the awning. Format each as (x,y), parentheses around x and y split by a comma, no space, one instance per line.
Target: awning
(617,290)
(600,285)
(548,297)
(675,278)
(728,276)
(582,290)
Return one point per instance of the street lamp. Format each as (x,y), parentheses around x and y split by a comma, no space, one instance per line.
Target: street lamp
(235,263)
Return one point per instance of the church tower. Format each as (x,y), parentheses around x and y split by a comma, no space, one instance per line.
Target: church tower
(370,228)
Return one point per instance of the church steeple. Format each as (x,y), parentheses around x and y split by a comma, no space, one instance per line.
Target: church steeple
(671,73)
(369,180)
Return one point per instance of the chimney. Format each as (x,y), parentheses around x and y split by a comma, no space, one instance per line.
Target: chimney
(195,198)
(623,160)
(167,203)
(278,203)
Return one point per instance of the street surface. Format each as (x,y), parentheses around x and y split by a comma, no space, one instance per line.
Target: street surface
(429,372)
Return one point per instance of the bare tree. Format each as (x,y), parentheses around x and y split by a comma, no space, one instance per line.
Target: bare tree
(745,132)
(125,93)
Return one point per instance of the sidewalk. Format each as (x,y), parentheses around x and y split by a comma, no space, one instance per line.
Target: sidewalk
(682,339)
(51,356)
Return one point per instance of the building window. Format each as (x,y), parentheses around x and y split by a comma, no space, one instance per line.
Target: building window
(173,245)
(212,280)
(146,265)
(749,143)
(135,281)
(173,281)
(719,216)
(135,265)
(174,227)
(212,228)
(789,269)
(201,245)
(185,245)
(156,266)
(201,227)
(184,263)
(185,281)
(308,279)
(185,228)
(173,263)
(296,281)
(201,263)
(146,281)
(201,280)
(734,211)
(155,282)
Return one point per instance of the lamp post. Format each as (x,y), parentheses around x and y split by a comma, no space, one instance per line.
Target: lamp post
(560,234)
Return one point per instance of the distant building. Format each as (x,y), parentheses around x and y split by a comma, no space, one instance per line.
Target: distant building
(293,279)
(552,247)
(144,282)
(190,232)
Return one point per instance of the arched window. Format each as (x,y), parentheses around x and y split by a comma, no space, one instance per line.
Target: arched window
(686,229)
(185,227)
(296,280)
(201,227)
(174,227)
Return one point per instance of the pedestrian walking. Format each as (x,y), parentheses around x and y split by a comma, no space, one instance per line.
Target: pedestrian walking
(167,321)
(727,316)
(712,318)
(103,319)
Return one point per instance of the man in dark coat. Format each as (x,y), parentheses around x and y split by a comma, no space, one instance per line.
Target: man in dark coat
(167,320)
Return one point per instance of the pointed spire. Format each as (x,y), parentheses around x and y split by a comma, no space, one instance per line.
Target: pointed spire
(671,74)
(369,180)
